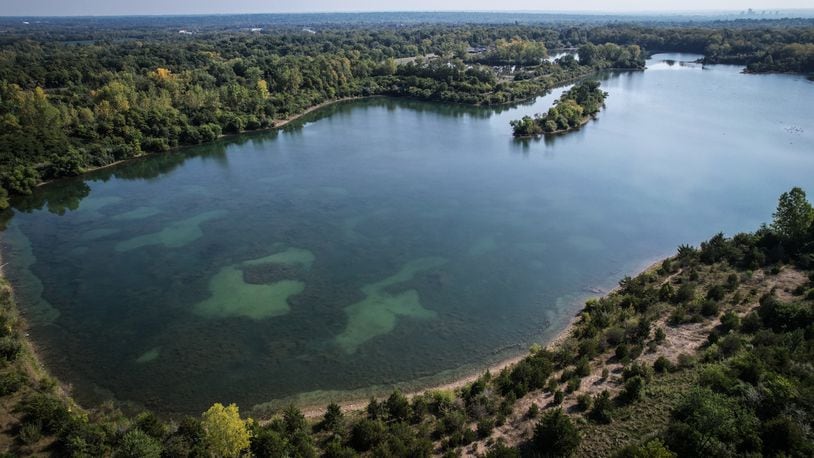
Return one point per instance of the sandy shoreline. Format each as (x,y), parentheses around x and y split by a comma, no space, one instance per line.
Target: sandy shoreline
(276,124)
(315,411)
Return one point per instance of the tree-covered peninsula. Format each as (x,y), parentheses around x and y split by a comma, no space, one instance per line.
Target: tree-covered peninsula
(573,109)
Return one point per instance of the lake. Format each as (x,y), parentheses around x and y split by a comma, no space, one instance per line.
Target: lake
(382,242)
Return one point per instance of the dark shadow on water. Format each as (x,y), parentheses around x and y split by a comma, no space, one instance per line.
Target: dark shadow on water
(58,197)
(65,195)
(524,144)
(446,109)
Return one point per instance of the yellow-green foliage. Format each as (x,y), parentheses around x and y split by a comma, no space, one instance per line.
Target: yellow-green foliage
(226,433)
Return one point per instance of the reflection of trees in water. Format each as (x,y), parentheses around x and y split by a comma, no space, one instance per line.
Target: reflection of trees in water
(5,218)
(453,110)
(161,164)
(523,145)
(58,197)
(66,194)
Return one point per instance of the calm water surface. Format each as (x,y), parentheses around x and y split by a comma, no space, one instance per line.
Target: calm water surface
(386,242)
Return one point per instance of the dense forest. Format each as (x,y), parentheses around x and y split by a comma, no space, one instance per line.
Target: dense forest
(573,109)
(76,95)
(706,354)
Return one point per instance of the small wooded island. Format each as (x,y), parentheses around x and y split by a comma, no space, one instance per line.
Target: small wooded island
(573,109)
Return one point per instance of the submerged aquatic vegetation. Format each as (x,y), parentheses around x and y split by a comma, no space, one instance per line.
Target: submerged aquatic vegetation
(376,314)
(175,235)
(232,296)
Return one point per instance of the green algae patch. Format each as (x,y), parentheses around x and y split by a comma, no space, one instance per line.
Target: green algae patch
(291,256)
(231,297)
(377,313)
(176,235)
(149,356)
(138,213)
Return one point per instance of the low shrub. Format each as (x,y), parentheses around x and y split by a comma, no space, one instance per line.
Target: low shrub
(662,365)
(10,382)
(556,434)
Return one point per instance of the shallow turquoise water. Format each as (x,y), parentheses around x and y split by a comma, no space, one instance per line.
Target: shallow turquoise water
(381,242)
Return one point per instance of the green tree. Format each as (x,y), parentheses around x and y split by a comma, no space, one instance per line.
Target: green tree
(526,127)
(794,215)
(602,409)
(366,434)
(138,444)
(265,442)
(334,418)
(398,407)
(225,432)
(634,387)
(711,424)
(650,449)
(335,449)
(3,198)
(784,437)
(294,419)
(556,435)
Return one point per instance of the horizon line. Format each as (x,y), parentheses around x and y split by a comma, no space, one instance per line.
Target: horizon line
(551,12)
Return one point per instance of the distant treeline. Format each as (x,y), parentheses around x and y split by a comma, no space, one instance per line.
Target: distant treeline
(77,98)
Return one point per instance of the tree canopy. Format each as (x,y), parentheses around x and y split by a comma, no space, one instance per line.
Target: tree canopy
(225,432)
(794,216)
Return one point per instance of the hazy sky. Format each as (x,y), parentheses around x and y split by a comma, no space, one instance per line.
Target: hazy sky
(113,7)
